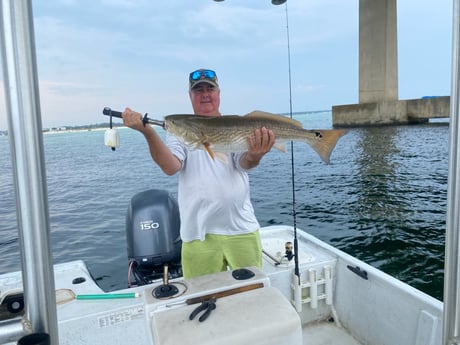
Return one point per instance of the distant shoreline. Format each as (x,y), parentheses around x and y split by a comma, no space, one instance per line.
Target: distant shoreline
(99,126)
(71,129)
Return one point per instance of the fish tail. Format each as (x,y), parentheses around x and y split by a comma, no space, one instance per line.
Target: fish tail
(326,141)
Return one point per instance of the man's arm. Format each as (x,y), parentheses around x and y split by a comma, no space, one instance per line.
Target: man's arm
(160,153)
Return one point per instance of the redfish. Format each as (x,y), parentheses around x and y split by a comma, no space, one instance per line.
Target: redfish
(229,133)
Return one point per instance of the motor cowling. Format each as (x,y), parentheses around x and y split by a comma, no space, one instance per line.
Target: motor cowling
(152,230)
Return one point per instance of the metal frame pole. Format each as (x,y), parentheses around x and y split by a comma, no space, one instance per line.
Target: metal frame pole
(27,151)
(451,324)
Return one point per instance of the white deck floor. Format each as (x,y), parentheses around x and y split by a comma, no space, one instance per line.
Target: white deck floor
(326,333)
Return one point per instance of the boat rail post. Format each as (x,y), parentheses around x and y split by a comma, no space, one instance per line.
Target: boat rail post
(451,313)
(27,152)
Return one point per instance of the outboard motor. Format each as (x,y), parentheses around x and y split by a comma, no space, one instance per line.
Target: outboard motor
(152,234)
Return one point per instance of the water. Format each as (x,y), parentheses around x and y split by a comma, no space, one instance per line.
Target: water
(382,199)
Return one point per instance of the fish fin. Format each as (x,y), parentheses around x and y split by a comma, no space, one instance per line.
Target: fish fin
(222,157)
(208,149)
(280,146)
(219,155)
(326,141)
(269,116)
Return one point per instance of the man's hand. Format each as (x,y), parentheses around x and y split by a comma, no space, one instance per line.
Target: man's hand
(258,145)
(133,119)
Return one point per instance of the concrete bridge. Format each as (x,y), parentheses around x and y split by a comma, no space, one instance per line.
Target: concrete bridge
(378,75)
(410,111)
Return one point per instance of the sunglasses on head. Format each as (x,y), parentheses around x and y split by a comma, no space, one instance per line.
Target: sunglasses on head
(203,74)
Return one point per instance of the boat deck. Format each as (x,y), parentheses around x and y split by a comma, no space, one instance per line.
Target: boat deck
(326,333)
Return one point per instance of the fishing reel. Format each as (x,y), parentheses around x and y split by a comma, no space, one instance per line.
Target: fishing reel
(111,136)
(289,251)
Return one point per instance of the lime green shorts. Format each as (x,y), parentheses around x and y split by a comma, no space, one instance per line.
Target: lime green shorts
(219,252)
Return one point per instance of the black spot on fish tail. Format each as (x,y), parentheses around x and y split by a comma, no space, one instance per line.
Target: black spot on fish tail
(318,134)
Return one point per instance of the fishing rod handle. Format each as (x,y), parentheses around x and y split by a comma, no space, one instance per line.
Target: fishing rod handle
(109,112)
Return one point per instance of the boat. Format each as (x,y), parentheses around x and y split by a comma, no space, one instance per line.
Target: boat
(307,292)
(338,300)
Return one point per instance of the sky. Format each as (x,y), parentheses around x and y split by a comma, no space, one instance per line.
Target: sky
(139,53)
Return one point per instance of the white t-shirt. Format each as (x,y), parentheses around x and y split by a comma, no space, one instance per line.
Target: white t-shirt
(213,196)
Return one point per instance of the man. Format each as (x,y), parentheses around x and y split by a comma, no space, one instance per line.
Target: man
(218,225)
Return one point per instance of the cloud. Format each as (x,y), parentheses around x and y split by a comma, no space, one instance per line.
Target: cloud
(138,53)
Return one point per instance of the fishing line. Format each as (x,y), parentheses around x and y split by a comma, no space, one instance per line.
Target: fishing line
(294,213)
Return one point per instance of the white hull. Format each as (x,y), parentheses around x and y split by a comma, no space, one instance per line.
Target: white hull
(334,305)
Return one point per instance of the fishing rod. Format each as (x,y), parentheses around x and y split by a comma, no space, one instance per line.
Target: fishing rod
(111,136)
(113,113)
(294,213)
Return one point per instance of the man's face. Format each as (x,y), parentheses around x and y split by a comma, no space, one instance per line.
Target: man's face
(205,99)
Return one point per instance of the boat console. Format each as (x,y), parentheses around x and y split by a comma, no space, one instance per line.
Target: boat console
(241,307)
(247,311)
